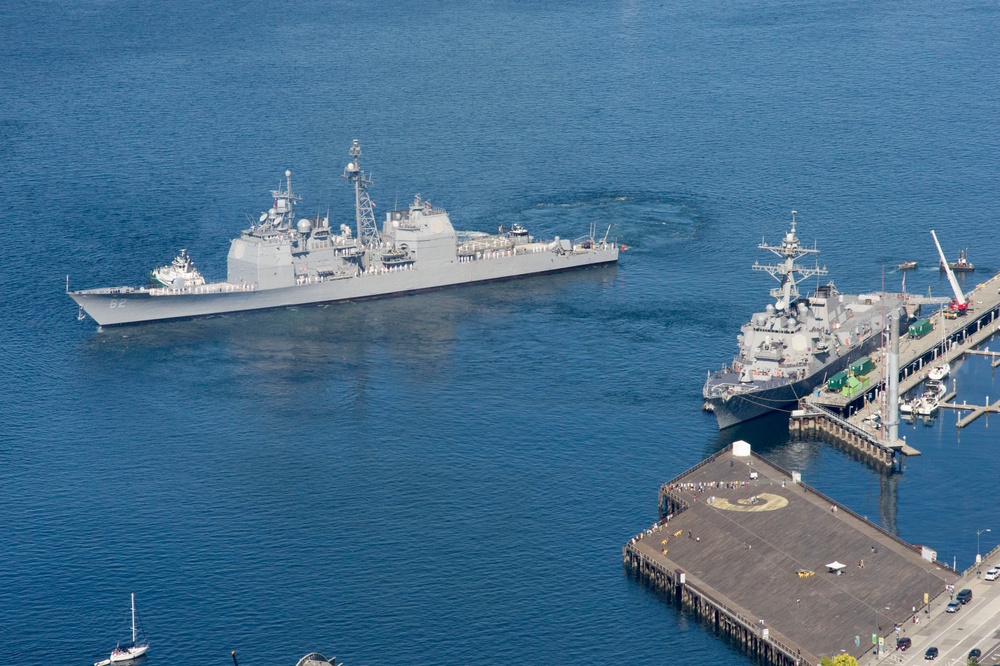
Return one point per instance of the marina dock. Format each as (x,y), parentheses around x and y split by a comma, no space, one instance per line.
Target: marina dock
(748,548)
(845,420)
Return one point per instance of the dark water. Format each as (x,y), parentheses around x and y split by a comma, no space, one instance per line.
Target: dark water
(448,478)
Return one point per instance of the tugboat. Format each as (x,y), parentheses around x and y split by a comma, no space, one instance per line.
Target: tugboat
(963,265)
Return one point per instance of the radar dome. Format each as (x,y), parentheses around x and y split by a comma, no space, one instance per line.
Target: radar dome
(305,226)
(288,173)
(352,167)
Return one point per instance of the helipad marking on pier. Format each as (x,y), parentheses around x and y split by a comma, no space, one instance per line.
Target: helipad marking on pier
(770,502)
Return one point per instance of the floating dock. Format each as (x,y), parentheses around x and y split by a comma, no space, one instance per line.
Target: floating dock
(746,546)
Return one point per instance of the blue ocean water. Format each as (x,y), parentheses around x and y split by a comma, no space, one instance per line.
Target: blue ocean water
(448,478)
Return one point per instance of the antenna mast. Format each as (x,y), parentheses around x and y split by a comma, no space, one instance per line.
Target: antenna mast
(785,272)
(368,234)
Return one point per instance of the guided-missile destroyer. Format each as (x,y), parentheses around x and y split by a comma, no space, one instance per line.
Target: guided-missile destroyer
(797,343)
(281,262)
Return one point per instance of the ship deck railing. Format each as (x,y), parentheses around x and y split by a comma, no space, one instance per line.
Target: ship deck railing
(213,288)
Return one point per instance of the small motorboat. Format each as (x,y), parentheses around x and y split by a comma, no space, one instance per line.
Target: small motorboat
(936,389)
(906,265)
(926,406)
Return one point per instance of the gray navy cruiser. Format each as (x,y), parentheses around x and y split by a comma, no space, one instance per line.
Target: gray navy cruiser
(797,343)
(280,262)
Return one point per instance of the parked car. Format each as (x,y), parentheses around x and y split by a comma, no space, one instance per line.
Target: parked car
(964,596)
(932,653)
(975,653)
(992,574)
(953,606)
(903,644)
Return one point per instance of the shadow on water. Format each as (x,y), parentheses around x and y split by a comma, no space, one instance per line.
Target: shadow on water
(765,434)
(413,326)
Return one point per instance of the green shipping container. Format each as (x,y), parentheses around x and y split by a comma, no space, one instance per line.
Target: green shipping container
(854,386)
(863,365)
(920,328)
(837,382)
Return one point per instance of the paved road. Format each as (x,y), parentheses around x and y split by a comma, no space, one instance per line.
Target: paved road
(976,625)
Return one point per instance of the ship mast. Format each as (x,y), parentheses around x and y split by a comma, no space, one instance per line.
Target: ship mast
(284,201)
(790,250)
(368,235)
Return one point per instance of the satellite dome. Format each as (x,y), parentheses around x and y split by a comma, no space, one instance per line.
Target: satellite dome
(305,226)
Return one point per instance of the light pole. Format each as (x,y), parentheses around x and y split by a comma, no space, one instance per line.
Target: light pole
(979,559)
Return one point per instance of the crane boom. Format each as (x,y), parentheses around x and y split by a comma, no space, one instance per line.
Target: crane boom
(960,301)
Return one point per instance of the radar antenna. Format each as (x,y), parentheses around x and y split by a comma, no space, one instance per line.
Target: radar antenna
(785,272)
(368,234)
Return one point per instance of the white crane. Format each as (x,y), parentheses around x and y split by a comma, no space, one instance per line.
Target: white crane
(959,304)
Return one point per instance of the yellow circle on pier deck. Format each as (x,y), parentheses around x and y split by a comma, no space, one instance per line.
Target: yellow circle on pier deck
(766,502)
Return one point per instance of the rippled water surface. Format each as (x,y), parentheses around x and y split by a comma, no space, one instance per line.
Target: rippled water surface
(448,478)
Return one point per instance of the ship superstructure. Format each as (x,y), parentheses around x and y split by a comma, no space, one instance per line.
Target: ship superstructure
(797,342)
(280,262)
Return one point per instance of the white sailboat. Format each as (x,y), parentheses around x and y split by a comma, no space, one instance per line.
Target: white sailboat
(939,372)
(129,652)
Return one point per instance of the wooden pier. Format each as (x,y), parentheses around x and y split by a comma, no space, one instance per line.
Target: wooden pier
(745,547)
(812,420)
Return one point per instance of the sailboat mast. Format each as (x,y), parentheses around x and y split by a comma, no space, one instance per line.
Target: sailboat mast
(133,618)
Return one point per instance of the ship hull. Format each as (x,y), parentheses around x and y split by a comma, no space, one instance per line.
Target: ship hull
(116,307)
(741,407)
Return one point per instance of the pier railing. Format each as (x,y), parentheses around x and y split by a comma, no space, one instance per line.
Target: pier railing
(987,556)
(877,528)
(736,615)
(665,577)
